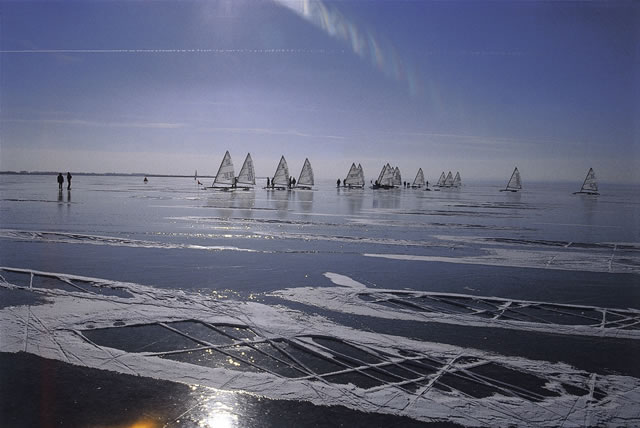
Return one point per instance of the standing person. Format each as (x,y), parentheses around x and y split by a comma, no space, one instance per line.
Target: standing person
(60,181)
(268,182)
(68,180)
(338,183)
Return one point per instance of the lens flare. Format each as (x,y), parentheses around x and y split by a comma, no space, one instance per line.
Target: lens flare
(363,42)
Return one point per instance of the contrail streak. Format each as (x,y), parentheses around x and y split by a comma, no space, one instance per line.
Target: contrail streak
(164,51)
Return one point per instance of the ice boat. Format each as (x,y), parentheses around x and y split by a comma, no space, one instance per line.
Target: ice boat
(590,186)
(448,182)
(514,183)
(280,179)
(397,178)
(441,180)
(457,182)
(247,177)
(418,182)
(305,180)
(355,177)
(385,179)
(225,178)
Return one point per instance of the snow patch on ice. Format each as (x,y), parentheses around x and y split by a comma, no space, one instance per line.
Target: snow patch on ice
(343,280)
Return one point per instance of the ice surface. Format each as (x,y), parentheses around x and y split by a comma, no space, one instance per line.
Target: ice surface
(467,309)
(285,354)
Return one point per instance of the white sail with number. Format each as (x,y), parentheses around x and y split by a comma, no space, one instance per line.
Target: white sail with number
(457,182)
(225,176)
(419,180)
(306,175)
(514,183)
(247,176)
(281,177)
(355,177)
(590,185)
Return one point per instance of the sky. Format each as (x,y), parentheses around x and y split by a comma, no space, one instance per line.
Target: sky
(472,86)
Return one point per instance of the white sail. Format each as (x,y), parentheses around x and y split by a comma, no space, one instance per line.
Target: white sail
(384,168)
(360,175)
(448,182)
(247,174)
(225,175)
(306,175)
(457,182)
(441,180)
(590,185)
(419,180)
(397,178)
(354,177)
(514,183)
(386,176)
(281,177)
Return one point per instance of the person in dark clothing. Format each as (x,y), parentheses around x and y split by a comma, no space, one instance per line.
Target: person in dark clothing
(60,181)
(338,183)
(268,182)
(68,181)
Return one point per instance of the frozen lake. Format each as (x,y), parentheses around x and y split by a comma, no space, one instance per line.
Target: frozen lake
(498,289)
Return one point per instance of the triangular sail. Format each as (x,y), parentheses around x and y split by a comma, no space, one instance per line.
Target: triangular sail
(590,184)
(457,182)
(384,169)
(354,177)
(514,182)
(360,175)
(419,180)
(247,175)
(397,178)
(441,180)
(281,177)
(448,182)
(225,175)
(386,176)
(306,175)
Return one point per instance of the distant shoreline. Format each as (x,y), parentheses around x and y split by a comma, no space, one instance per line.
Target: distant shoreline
(103,174)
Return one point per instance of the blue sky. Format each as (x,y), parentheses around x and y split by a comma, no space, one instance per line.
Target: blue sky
(167,87)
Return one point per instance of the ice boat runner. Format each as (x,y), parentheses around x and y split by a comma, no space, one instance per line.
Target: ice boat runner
(514,183)
(280,179)
(590,186)
(385,179)
(247,177)
(355,177)
(418,182)
(225,178)
(457,182)
(305,180)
